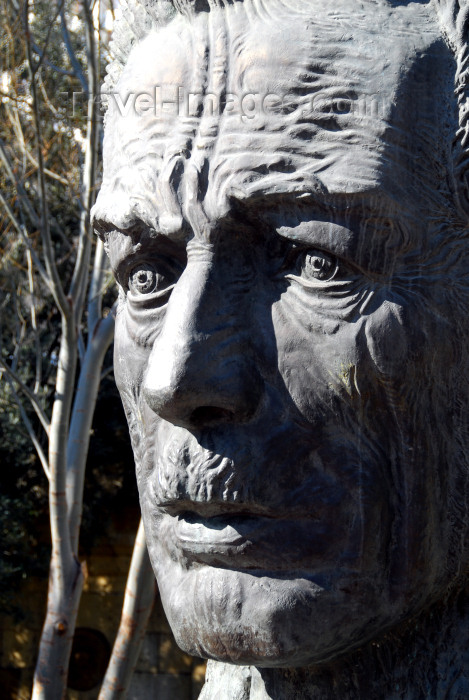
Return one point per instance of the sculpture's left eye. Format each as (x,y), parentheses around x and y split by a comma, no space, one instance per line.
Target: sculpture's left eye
(144,279)
(318,265)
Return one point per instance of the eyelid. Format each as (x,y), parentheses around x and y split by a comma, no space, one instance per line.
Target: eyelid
(329,237)
(123,269)
(296,252)
(143,301)
(161,263)
(344,244)
(126,247)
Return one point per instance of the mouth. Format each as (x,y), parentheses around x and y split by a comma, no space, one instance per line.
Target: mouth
(242,541)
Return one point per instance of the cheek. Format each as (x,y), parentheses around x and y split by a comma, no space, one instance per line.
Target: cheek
(129,366)
(387,340)
(130,353)
(129,361)
(319,357)
(326,353)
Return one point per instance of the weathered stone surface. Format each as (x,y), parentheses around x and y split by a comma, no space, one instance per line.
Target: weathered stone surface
(285,208)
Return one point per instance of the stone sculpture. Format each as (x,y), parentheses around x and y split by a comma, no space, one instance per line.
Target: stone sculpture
(285,206)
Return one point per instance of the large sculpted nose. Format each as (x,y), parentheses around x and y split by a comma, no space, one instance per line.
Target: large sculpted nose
(201,370)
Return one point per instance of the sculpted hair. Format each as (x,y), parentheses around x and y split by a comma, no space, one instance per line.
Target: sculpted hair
(141,17)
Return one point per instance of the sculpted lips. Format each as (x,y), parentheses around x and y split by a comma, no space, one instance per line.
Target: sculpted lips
(243,541)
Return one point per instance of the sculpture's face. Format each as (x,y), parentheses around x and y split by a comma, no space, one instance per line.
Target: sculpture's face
(289,330)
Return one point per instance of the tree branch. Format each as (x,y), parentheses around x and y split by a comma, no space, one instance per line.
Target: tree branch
(29,428)
(32,291)
(23,198)
(138,604)
(71,52)
(82,416)
(31,44)
(34,402)
(56,286)
(46,62)
(78,287)
(27,153)
(22,194)
(95,294)
(21,230)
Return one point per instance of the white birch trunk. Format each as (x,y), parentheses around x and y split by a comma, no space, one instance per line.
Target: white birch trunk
(138,603)
(69,432)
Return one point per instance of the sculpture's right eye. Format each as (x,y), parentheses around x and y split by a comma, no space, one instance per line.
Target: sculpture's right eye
(144,279)
(149,280)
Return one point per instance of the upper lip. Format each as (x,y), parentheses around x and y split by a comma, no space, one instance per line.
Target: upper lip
(213,509)
(208,510)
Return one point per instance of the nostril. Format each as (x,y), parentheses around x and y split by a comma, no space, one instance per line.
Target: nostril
(206,415)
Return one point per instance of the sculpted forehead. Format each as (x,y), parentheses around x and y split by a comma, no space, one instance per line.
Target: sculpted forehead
(353,42)
(250,104)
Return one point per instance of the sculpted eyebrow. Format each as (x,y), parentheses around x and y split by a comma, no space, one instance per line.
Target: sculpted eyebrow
(137,230)
(325,204)
(290,210)
(133,227)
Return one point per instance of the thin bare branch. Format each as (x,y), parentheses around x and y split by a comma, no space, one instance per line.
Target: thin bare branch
(105,373)
(22,232)
(20,333)
(78,286)
(27,424)
(27,391)
(95,295)
(23,196)
(45,96)
(33,45)
(27,153)
(71,52)
(57,289)
(37,343)
(46,62)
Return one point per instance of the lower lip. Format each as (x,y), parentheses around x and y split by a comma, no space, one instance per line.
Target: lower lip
(250,542)
(218,531)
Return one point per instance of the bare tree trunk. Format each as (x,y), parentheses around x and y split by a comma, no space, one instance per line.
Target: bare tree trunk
(68,428)
(66,575)
(68,433)
(138,604)
(81,420)
(65,587)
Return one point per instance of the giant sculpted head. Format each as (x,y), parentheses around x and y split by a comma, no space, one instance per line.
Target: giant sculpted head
(285,206)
